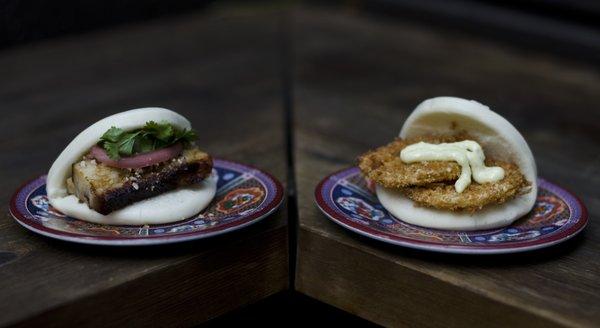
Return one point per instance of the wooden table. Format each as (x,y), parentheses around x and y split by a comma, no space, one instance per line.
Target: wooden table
(222,72)
(356,78)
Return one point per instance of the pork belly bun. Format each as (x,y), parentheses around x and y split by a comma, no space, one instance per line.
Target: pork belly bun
(137,167)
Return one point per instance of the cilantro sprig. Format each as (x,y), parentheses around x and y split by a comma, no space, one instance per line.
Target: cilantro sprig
(153,136)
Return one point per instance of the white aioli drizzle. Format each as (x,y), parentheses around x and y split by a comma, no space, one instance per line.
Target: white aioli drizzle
(468,154)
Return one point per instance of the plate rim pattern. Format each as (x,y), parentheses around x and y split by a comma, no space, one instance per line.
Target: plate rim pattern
(29,186)
(556,237)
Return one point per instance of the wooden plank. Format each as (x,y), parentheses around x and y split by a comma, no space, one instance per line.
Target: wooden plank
(356,79)
(542,26)
(219,69)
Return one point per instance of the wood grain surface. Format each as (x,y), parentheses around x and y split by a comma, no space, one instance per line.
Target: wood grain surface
(220,70)
(356,79)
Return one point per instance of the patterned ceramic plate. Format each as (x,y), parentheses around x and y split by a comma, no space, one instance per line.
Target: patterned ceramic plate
(244,196)
(347,200)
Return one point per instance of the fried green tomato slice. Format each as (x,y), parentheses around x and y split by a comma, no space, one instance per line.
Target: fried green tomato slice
(384,166)
(443,196)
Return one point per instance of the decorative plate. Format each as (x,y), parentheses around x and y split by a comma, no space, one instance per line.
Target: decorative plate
(244,196)
(347,200)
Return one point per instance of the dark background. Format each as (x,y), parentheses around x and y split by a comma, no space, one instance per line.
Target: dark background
(571,28)
(568,28)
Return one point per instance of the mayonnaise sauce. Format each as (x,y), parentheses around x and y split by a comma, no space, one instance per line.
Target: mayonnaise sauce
(468,154)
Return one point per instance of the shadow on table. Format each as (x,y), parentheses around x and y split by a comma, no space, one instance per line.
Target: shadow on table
(149,252)
(486,260)
(289,309)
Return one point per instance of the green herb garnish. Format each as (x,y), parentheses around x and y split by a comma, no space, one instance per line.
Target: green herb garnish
(152,136)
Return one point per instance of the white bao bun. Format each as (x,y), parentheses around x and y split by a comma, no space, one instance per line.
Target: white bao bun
(168,207)
(499,139)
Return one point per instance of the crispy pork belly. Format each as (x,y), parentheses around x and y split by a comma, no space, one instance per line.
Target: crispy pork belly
(106,189)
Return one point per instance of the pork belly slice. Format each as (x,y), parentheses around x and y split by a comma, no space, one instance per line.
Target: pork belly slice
(106,189)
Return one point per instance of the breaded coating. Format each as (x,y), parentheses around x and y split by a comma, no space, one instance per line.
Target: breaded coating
(443,195)
(384,166)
